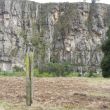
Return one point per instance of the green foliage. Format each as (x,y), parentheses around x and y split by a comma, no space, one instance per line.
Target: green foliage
(43,74)
(105,64)
(92,75)
(63,25)
(57,69)
(39,73)
(38,40)
(106,47)
(72,74)
(12,73)
(40,46)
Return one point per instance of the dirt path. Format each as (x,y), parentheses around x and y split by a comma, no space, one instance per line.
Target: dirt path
(67,92)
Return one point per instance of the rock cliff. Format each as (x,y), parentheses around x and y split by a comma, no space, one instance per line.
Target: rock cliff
(62,33)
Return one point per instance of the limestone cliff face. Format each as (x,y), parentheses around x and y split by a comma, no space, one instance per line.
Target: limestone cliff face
(71,33)
(15,24)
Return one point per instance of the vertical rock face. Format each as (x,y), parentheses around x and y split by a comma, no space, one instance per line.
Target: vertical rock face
(82,30)
(71,33)
(15,23)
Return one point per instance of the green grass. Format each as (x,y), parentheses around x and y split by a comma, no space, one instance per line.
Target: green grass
(37,73)
(4,106)
(12,73)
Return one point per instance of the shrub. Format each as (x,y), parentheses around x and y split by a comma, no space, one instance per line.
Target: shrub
(57,69)
(37,73)
(72,74)
(105,64)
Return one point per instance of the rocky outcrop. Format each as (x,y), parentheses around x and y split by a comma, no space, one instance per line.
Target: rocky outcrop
(62,33)
(15,15)
(80,44)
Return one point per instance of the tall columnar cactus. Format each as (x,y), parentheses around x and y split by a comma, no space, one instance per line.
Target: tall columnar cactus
(29,74)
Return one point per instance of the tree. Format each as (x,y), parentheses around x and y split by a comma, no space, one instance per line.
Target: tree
(105,64)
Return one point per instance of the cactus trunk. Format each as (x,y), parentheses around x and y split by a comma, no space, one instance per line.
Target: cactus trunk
(29,68)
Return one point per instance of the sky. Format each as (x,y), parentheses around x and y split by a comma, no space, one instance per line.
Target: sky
(46,1)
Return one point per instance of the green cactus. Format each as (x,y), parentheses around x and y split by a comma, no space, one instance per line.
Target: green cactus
(29,74)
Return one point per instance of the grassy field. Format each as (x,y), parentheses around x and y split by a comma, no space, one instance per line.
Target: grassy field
(56,93)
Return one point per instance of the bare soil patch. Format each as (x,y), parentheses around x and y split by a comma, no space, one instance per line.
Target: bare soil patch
(65,92)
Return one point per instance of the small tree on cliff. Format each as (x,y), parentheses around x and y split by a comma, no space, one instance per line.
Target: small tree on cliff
(105,64)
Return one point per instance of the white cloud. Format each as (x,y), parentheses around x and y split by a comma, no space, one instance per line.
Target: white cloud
(46,1)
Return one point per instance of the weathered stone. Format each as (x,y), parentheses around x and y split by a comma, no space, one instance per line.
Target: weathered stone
(72,41)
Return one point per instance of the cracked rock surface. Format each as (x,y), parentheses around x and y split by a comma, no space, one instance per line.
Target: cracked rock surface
(72,33)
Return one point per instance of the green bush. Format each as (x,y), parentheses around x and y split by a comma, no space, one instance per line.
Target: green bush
(37,73)
(72,74)
(105,64)
(56,69)
(92,75)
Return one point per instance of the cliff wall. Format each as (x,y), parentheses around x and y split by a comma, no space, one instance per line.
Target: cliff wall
(63,33)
